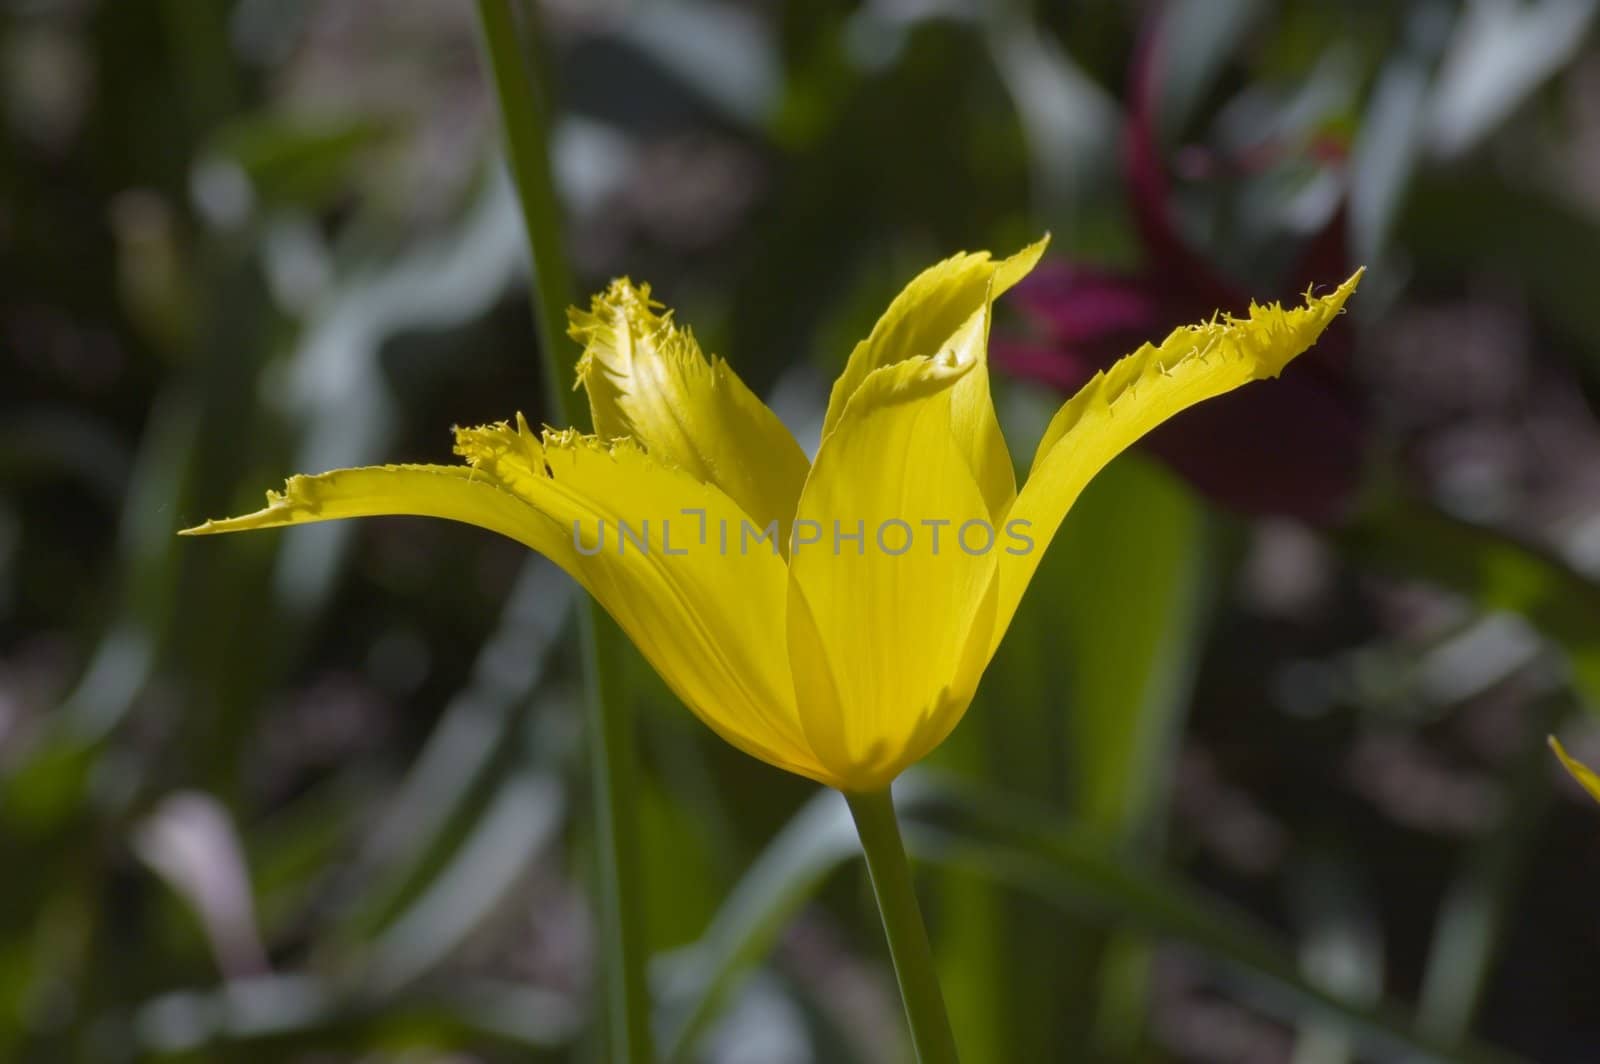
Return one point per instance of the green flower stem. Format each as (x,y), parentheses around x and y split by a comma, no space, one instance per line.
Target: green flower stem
(902,926)
(522,121)
(621,894)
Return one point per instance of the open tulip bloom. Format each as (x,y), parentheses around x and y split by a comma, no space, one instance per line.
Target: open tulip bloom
(830,617)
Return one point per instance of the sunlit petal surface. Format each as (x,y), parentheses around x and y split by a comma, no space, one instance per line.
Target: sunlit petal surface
(647,380)
(1154,383)
(711,623)
(945,309)
(832,619)
(879,624)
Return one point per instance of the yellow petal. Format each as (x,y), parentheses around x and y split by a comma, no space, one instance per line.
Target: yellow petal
(709,620)
(888,634)
(1580,772)
(648,381)
(450,492)
(1123,403)
(946,308)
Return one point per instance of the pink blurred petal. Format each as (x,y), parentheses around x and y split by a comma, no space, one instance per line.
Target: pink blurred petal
(1280,447)
(1078,304)
(190,841)
(1291,446)
(1051,366)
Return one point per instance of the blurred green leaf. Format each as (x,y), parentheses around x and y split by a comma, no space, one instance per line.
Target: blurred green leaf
(1386,153)
(1472,919)
(1341,943)
(715,48)
(678,851)
(1071,124)
(521,821)
(692,983)
(467,755)
(296,849)
(1491,570)
(297,162)
(48,784)
(191,842)
(1022,845)
(1499,54)
(42,442)
(280,1018)
(334,380)
(1127,607)
(1131,605)
(1197,39)
(1019,728)
(1026,847)
(1531,237)
(1083,707)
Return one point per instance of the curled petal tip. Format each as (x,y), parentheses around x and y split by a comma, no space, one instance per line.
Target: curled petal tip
(1585,776)
(1337,297)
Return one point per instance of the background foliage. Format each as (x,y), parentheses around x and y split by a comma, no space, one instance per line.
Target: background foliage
(1237,787)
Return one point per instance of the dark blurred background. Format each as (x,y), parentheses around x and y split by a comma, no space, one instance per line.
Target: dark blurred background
(1262,760)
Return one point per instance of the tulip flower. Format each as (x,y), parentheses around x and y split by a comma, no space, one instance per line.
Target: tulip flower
(832,617)
(1585,775)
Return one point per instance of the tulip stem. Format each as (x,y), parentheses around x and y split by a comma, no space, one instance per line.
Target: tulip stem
(620,905)
(931,1035)
(523,124)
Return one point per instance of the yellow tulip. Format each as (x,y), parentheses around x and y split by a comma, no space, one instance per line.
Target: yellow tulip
(1582,773)
(831,617)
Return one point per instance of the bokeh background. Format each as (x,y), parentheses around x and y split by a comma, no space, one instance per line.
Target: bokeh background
(1259,774)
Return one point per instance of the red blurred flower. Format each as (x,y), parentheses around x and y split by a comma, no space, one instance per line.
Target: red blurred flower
(1290,446)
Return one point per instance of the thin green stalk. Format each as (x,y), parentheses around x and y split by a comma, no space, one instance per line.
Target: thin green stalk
(522,121)
(902,926)
(613,760)
(1471,923)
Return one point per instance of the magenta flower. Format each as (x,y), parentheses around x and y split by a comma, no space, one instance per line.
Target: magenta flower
(1291,446)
